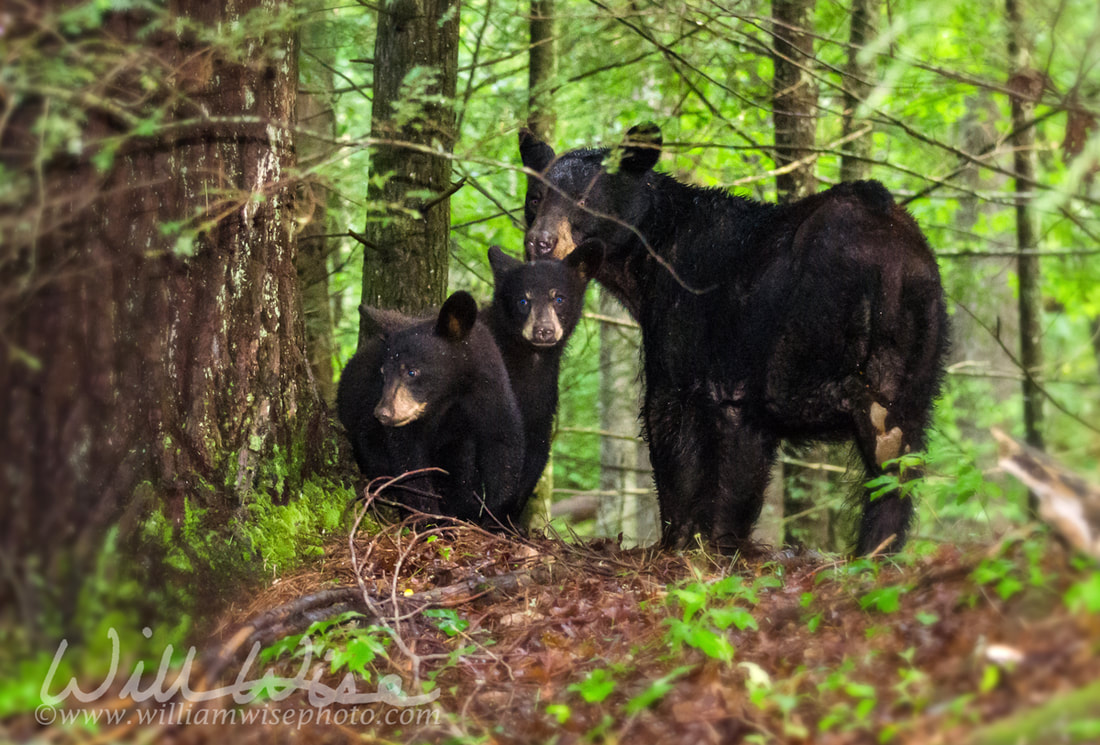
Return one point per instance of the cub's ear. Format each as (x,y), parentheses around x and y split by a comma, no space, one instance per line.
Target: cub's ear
(383,321)
(642,147)
(534,153)
(501,262)
(587,258)
(456,317)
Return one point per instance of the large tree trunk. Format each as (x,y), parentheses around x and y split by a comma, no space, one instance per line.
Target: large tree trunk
(152,341)
(1025,86)
(407,232)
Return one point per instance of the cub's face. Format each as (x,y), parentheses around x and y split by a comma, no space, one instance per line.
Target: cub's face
(542,300)
(424,361)
(413,375)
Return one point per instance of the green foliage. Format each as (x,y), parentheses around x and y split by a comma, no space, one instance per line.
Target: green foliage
(339,640)
(708,609)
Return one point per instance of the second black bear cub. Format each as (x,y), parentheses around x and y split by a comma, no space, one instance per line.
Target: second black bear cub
(536,306)
(435,393)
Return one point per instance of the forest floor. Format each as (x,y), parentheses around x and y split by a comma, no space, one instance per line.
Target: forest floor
(540,641)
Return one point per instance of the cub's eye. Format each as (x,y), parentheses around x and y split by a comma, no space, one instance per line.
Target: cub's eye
(559,300)
(534,201)
(523,302)
(412,373)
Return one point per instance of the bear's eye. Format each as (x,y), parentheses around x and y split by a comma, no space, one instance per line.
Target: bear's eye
(412,373)
(523,302)
(559,300)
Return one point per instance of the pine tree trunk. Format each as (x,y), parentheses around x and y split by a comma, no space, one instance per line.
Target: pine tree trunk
(407,233)
(153,350)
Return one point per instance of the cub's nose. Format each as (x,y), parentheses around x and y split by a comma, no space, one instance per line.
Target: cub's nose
(544,335)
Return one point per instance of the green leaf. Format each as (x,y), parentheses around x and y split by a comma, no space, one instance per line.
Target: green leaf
(447,620)
(1084,596)
(597,686)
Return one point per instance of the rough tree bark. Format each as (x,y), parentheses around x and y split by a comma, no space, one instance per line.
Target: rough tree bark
(1025,87)
(406,236)
(152,348)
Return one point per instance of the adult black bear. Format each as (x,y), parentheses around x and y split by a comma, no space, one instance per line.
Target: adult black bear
(536,305)
(821,319)
(435,393)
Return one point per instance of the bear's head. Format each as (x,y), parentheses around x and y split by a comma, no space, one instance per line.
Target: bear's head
(584,194)
(423,362)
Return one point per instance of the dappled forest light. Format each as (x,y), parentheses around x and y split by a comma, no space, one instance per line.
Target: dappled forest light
(195,200)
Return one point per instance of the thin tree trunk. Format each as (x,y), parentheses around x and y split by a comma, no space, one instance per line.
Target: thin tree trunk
(794,107)
(316,115)
(859,82)
(407,233)
(794,102)
(1025,87)
(618,406)
(542,71)
(153,350)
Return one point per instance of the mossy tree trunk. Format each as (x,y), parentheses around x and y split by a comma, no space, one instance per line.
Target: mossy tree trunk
(152,342)
(407,232)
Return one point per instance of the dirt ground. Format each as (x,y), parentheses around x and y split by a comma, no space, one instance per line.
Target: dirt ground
(539,641)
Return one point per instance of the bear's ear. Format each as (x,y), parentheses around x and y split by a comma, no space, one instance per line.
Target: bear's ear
(456,317)
(641,148)
(586,259)
(501,262)
(534,153)
(383,321)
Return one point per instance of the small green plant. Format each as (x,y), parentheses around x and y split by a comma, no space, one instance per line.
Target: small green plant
(1083,596)
(338,640)
(596,686)
(447,620)
(708,609)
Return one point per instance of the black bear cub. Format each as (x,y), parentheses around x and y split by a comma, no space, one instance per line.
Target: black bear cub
(536,306)
(819,319)
(434,393)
